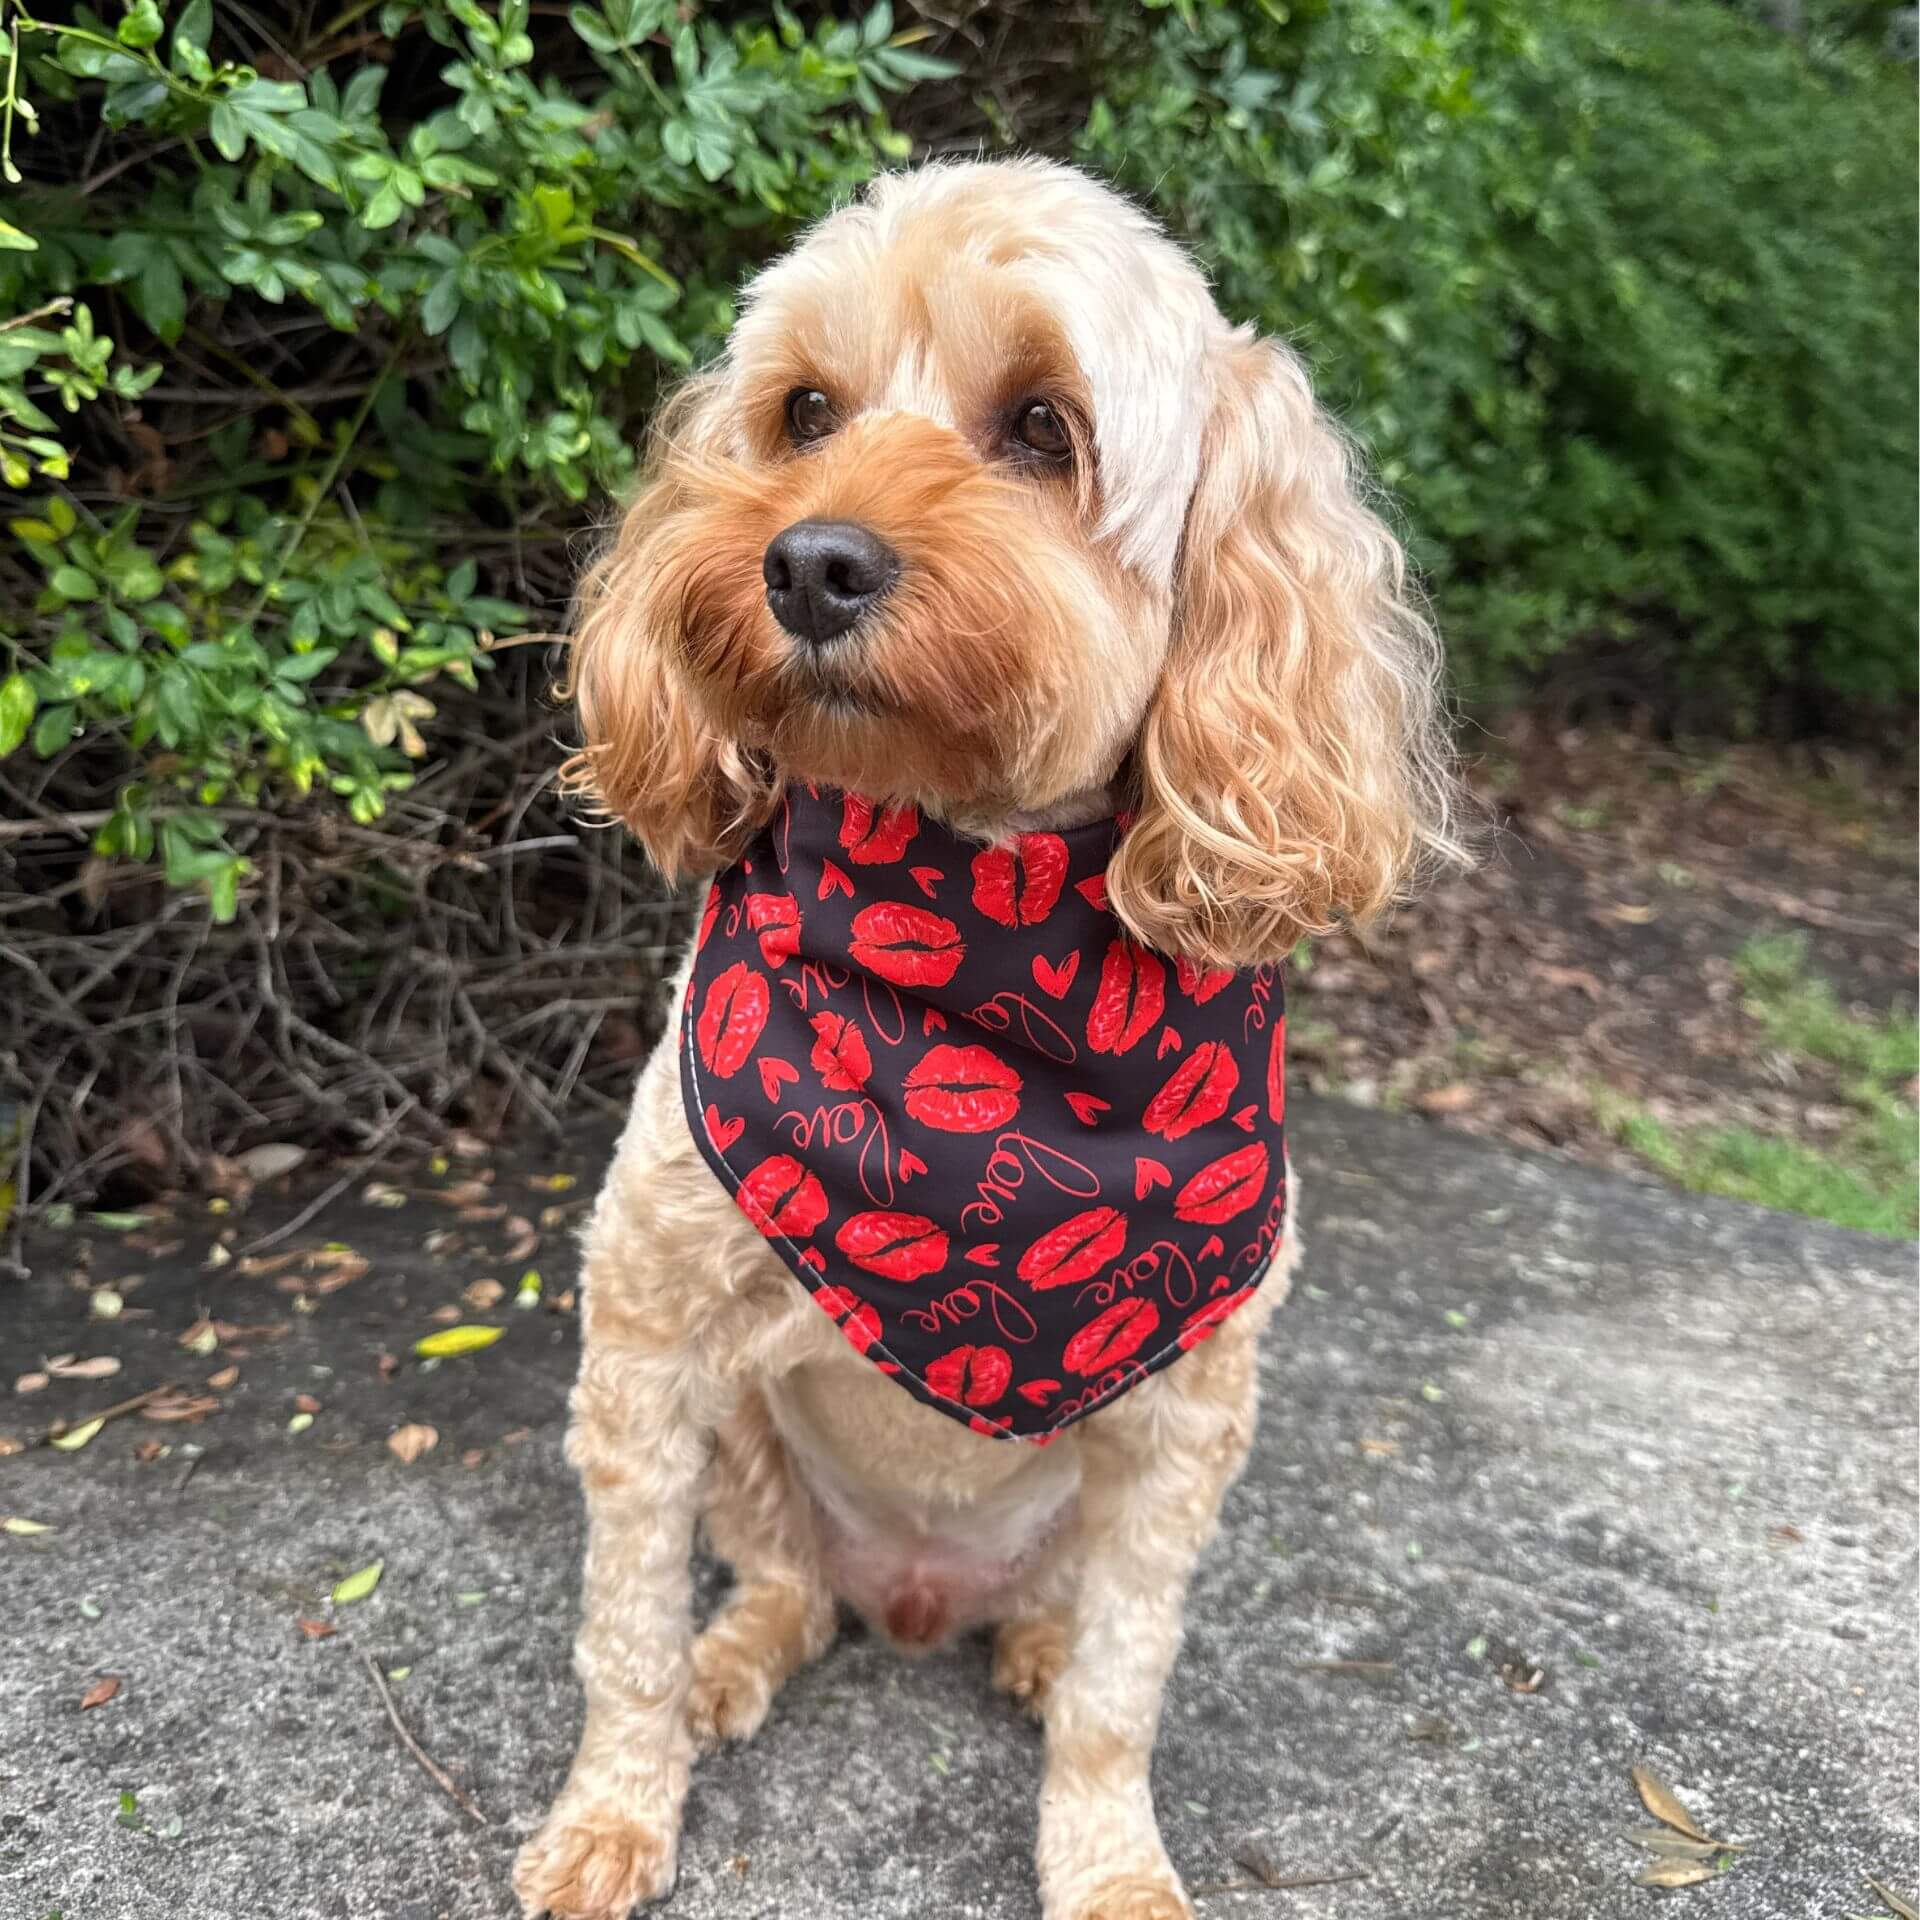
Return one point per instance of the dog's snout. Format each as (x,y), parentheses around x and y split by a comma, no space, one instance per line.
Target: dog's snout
(822,575)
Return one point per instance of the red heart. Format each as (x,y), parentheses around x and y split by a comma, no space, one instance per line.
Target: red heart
(985,1256)
(1093,891)
(1221,1282)
(832,880)
(1148,1174)
(1037,1392)
(1213,1248)
(910,1164)
(1052,979)
(814,1258)
(1169,1043)
(1245,1118)
(1087,1109)
(774,1074)
(932,1020)
(926,879)
(723,1133)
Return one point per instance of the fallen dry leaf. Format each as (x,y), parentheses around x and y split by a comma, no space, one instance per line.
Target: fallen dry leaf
(554,1182)
(483,1295)
(519,1434)
(463,1193)
(381,1193)
(258,1264)
(1660,1800)
(483,1213)
(1579,977)
(387,1365)
(318,1629)
(11,1444)
(102,1367)
(1385,1449)
(149,1451)
(474,1457)
(444,1316)
(224,1378)
(270,1161)
(1896,1903)
(561,1303)
(180,1406)
(31,1382)
(525,1240)
(1522,1676)
(306,1403)
(408,1443)
(1451,1099)
(1671,1845)
(100,1692)
(1674,1873)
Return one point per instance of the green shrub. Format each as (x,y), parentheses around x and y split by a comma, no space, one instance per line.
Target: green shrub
(1621,297)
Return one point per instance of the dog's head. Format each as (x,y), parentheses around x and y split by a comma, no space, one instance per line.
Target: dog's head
(987,507)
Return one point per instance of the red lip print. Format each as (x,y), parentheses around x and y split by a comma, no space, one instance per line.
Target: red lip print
(1055,980)
(907,945)
(840,1056)
(1148,1174)
(1224,1187)
(1112,1337)
(1198,1091)
(731,1019)
(775,1074)
(1277,1072)
(1132,996)
(874,836)
(975,1376)
(1200,984)
(1019,885)
(723,1133)
(781,1196)
(1075,1250)
(962,1090)
(1209,1319)
(832,880)
(1088,1107)
(776,918)
(897,1246)
(854,1317)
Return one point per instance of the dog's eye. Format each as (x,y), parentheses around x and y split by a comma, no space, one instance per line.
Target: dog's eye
(1038,427)
(809,414)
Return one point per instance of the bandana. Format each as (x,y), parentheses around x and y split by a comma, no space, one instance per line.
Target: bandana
(1021,1160)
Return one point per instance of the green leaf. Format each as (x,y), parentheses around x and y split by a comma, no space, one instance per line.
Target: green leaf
(12,240)
(142,25)
(52,731)
(442,304)
(74,583)
(356,1586)
(17,705)
(191,32)
(450,1342)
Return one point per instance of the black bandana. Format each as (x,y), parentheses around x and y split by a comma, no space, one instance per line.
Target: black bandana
(1021,1160)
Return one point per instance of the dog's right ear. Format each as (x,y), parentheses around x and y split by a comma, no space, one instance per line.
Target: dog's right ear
(647,756)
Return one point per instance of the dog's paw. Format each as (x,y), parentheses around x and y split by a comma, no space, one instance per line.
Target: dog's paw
(1028,1657)
(593,1863)
(1136,1897)
(730,1693)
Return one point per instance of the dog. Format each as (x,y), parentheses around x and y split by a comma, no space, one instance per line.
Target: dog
(989,527)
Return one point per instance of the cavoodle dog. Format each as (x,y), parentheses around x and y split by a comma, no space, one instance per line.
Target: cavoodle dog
(1010,635)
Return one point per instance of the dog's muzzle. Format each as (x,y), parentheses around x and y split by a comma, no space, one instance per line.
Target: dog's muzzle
(822,575)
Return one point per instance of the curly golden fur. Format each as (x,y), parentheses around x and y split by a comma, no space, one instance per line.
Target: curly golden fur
(1191,612)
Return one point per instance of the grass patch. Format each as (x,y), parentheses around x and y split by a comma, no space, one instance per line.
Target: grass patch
(1866,1175)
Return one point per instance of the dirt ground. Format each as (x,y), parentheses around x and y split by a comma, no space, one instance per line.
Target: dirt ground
(1594,951)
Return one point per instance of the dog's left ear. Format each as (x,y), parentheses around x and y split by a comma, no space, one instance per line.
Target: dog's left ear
(1293,769)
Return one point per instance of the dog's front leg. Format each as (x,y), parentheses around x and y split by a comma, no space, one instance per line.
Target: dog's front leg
(658,1371)
(1154,1478)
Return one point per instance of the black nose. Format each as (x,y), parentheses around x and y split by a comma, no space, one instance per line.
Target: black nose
(822,575)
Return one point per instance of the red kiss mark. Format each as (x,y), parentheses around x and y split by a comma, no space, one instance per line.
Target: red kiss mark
(910,1164)
(775,1074)
(984,1256)
(1112,1337)
(1170,1042)
(1056,980)
(1075,1250)
(932,1020)
(926,879)
(832,880)
(897,1246)
(1148,1174)
(723,1133)
(1093,890)
(1131,998)
(1224,1187)
(1245,1118)
(1087,1108)
(906,946)
(962,1090)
